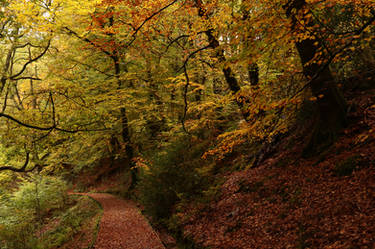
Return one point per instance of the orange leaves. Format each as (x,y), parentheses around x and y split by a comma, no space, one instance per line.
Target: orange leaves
(141,162)
(227,142)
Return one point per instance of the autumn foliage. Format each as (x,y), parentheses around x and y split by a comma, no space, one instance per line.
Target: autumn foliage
(230,120)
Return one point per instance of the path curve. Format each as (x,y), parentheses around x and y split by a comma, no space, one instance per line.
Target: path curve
(123,226)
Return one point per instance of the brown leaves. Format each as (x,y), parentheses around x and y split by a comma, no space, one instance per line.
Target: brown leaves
(293,205)
(123,226)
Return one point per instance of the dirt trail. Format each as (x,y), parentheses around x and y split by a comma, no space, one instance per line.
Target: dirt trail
(123,226)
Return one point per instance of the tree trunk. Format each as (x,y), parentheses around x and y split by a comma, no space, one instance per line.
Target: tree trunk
(230,78)
(125,126)
(125,134)
(253,71)
(331,106)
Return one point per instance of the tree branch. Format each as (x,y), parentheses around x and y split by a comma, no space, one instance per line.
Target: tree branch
(192,55)
(25,124)
(22,169)
(27,78)
(185,100)
(136,30)
(53,127)
(31,61)
(333,56)
(175,40)
(85,39)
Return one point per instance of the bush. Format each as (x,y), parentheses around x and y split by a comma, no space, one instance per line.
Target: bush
(70,222)
(22,212)
(17,228)
(40,194)
(171,178)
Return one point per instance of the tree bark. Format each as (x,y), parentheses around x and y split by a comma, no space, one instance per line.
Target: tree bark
(125,134)
(253,71)
(331,106)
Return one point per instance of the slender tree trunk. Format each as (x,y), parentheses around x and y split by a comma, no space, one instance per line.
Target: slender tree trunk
(199,93)
(32,82)
(331,106)
(125,127)
(230,78)
(125,134)
(155,126)
(253,71)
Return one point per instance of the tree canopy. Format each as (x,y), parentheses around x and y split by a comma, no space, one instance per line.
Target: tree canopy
(83,80)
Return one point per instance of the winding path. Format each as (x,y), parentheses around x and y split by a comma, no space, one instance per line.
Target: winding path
(123,226)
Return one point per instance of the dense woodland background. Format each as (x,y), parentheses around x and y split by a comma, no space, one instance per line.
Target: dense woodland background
(236,124)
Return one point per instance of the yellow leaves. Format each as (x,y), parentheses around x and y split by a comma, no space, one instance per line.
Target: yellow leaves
(228,141)
(141,162)
(362,138)
(58,14)
(197,86)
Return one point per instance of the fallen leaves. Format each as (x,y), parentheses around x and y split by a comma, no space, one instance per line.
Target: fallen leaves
(123,226)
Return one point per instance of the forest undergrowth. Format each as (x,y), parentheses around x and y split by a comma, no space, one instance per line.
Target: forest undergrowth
(324,201)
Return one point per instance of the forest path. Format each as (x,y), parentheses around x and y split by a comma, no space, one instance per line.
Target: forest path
(123,226)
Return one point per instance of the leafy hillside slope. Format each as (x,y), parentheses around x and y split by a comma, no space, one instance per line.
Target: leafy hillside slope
(291,202)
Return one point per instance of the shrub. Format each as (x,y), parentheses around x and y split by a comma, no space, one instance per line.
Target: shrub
(40,194)
(171,177)
(21,213)
(70,222)
(17,228)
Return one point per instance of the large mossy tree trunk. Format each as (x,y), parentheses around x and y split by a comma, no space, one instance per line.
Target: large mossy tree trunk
(330,116)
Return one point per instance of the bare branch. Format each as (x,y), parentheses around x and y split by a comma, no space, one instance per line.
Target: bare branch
(193,54)
(5,104)
(31,61)
(53,109)
(53,127)
(22,169)
(85,39)
(92,67)
(180,37)
(175,40)
(28,44)
(25,124)
(134,35)
(27,78)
